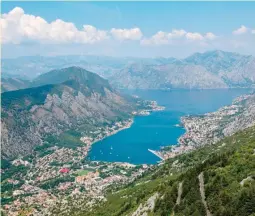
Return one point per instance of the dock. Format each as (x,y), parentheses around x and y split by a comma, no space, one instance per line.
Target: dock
(156,153)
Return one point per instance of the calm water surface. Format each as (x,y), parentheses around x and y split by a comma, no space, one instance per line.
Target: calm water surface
(158,129)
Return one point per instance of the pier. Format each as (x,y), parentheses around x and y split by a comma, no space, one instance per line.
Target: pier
(156,153)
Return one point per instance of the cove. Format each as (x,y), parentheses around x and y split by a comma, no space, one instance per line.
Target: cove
(159,129)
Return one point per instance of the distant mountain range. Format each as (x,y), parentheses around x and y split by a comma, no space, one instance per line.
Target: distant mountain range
(70,99)
(213,69)
(11,84)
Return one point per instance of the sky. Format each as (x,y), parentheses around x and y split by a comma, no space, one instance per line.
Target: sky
(139,29)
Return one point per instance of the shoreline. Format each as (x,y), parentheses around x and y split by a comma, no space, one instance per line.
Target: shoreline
(201,130)
(128,125)
(89,141)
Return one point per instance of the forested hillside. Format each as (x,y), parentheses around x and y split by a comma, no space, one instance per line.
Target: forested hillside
(223,174)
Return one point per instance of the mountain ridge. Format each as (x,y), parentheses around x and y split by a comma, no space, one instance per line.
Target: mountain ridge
(211,69)
(81,103)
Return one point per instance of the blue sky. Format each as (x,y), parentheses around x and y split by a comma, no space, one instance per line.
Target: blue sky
(135,24)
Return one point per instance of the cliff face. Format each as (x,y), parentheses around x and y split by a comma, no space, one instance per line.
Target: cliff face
(82,102)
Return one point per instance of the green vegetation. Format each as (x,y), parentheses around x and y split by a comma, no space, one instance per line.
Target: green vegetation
(74,77)
(55,182)
(82,172)
(11,172)
(24,99)
(46,152)
(68,139)
(225,165)
(14,172)
(5,164)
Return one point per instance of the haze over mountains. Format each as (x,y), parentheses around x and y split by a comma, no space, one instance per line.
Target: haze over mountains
(213,69)
(44,125)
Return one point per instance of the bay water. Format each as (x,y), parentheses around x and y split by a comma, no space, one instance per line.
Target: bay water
(160,128)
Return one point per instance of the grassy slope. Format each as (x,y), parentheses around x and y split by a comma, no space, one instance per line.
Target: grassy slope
(224,166)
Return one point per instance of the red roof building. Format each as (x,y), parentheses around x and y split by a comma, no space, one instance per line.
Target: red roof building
(64,170)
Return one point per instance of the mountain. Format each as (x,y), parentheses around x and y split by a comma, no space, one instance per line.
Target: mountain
(174,75)
(11,84)
(33,66)
(212,69)
(85,78)
(75,102)
(57,123)
(234,69)
(216,61)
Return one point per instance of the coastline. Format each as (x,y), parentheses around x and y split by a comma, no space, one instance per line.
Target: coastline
(89,141)
(109,131)
(209,128)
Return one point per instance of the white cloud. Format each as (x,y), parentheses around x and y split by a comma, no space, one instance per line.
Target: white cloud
(176,33)
(210,36)
(162,38)
(127,34)
(159,38)
(194,36)
(17,27)
(243,29)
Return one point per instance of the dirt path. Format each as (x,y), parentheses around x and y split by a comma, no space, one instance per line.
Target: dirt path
(178,200)
(149,205)
(202,193)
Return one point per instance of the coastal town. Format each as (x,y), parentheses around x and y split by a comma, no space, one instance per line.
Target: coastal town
(211,127)
(44,187)
(35,184)
(40,183)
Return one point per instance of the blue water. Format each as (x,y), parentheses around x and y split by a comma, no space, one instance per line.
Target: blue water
(158,129)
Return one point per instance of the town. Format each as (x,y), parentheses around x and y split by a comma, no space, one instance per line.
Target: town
(35,184)
(208,128)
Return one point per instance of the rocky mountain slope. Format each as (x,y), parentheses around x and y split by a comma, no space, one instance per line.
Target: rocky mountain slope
(213,69)
(76,101)
(216,69)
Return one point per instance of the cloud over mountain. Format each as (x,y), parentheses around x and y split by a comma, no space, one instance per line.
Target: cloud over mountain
(161,38)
